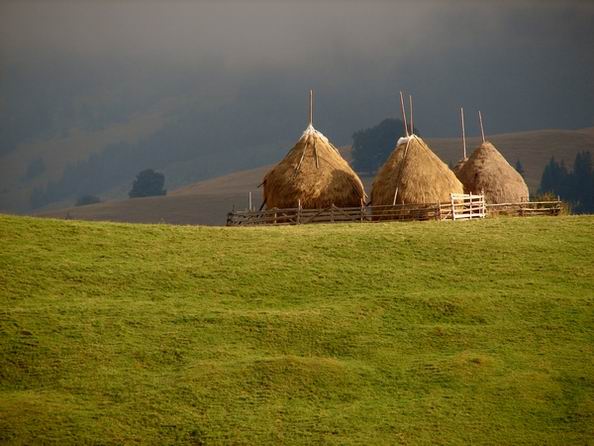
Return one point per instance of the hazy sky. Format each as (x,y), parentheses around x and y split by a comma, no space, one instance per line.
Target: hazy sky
(526,64)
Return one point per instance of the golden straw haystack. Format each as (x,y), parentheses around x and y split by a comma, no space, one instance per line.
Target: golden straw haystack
(314,172)
(415,174)
(487,170)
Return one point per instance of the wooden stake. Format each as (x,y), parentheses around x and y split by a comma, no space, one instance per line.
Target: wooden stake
(463,131)
(481,122)
(412,127)
(250,199)
(311,107)
(403,114)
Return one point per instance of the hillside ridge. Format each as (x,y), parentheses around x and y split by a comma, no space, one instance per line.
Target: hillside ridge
(209,201)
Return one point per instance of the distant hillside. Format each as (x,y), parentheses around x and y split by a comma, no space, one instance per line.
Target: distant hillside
(205,202)
(195,209)
(415,333)
(209,201)
(534,149)
(239,182)
(108,173)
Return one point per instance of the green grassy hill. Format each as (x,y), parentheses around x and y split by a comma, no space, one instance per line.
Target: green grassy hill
(475,332)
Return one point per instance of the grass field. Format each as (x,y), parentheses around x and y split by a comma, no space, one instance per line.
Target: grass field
(475,332)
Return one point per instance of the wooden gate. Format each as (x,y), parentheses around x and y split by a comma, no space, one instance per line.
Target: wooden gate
(467,206)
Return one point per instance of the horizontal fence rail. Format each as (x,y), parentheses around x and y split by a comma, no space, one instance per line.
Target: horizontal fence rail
(526,208)
(460,207)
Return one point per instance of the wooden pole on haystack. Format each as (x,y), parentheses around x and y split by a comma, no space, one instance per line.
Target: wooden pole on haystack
(310,107)
(482,129)
(395,195)
(403,114)
(463,131)
(412,127)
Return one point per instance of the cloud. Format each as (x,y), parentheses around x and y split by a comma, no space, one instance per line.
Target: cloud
(518,58)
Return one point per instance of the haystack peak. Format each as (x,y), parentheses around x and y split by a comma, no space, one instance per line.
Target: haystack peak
(310,130)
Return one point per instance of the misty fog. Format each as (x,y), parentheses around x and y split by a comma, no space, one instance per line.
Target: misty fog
(229,80)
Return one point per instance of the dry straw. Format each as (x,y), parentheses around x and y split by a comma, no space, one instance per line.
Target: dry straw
(486,171)
(413,174)
(314,175)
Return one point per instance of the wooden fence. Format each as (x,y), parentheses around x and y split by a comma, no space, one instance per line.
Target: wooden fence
(460,207)
(526,208)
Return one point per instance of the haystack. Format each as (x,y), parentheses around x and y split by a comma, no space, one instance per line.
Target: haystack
(413,174)
(314,174)
(487,171)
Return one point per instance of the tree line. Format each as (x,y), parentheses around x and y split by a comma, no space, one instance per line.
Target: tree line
(575,186)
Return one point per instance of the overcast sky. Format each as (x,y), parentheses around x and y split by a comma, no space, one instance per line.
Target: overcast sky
(526,64)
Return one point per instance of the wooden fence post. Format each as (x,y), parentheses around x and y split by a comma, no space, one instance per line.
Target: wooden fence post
(362,209)
(453,208)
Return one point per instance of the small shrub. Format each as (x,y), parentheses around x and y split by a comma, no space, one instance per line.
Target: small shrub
(148,183)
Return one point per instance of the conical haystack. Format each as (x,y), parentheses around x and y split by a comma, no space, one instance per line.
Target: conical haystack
(415,175)
(313,173)
(487,171)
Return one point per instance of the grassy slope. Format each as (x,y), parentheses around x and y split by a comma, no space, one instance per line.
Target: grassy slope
(414,333)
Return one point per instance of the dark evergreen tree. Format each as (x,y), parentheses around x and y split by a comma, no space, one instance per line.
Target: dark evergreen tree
(581,183)
(575,187)
(148,183)
(554,178)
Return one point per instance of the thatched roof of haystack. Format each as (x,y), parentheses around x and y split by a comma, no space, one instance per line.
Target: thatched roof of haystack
(415,175)
(314,173)
(487,170)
